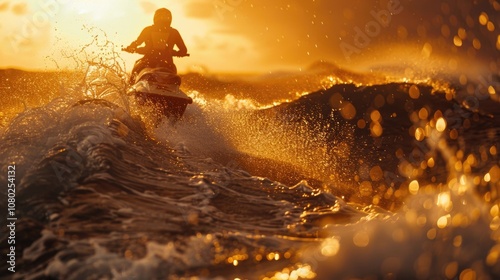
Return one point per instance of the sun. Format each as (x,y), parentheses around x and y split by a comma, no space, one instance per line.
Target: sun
(118,19)
(98,10)
(129,18)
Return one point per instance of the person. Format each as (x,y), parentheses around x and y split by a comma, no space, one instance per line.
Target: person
(160,40)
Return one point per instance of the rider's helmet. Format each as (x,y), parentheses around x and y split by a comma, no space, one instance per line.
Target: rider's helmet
(162,17)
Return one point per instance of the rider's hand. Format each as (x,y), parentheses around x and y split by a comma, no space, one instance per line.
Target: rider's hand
(129,49)
(179,54)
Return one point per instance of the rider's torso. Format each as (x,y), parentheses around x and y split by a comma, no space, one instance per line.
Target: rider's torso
(159,43)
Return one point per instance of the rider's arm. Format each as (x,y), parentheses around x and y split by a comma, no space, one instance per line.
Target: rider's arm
(179,43)
(141,39)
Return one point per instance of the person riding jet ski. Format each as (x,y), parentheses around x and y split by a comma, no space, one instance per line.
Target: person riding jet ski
(154,80)
(160,40)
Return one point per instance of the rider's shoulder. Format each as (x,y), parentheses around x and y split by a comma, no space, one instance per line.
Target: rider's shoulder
(147,29)
(174,31)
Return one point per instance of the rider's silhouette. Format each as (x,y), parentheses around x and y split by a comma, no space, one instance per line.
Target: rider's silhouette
(159,40)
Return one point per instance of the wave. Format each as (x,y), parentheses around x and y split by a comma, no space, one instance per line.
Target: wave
(82,201)
(325,185)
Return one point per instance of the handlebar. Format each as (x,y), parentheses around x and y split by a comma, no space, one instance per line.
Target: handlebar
(143,51)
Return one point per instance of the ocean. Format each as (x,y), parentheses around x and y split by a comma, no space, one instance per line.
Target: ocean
(323,173)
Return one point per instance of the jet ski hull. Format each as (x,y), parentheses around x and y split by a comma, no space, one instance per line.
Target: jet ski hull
(165,106)
(160,89)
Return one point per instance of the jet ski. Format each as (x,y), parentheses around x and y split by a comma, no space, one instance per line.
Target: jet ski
(159,87)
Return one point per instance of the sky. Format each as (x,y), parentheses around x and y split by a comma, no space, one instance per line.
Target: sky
(256,35)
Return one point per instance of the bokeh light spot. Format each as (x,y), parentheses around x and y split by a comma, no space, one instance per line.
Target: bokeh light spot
(414,92)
